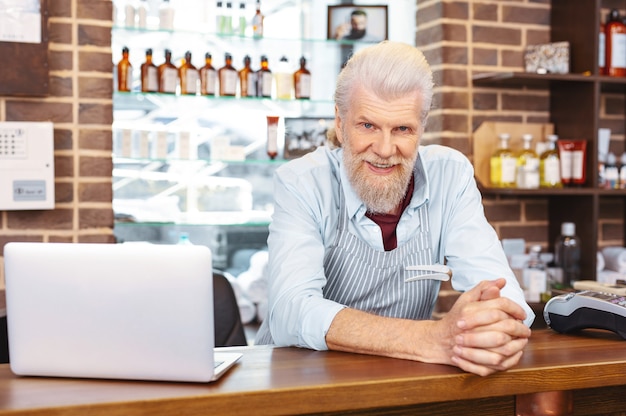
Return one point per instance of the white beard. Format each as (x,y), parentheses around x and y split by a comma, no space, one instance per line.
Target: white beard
(380,194)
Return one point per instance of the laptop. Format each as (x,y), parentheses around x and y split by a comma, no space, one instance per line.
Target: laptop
(135,311)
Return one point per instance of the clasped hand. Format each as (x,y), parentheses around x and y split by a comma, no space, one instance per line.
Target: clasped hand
(486,332)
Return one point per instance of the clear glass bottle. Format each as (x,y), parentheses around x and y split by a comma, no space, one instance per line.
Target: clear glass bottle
(264,79)
(246,79)
(257,21)
(142,14)
(219,17)
(242,19)
(527,165)
(502,164)
(188,76)
(284,80)
(228,77)
(228,19)
(124,72)
(168,75)
(567,253)
(130,13)
(208,76)
(302,81)
(534,276)
(166,15)
(550,165)
(149,74)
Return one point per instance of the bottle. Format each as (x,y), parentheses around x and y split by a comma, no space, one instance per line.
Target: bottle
(142,14)
(264,79)
(228,76)
(188,76)
(129,13)
(228,19)
(246,79)
(601,170)
(550,165)
(601,49)
(284,80)
(220,17)
(622,171)
(168,75)
(149,74)
(257,21)
(611,172)
(166,16)
(615,50)
(302,81)
(124,72)
(241,28)
(208,76)
(534,276)
(502,164)
(183,240)
(567,253)
(527,165)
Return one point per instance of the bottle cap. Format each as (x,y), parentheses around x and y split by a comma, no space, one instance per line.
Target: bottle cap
(568,229)
(527,137)
(504,136)
(552,137)
(611,159)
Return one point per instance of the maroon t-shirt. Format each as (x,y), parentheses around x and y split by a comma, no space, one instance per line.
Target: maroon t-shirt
(388,223)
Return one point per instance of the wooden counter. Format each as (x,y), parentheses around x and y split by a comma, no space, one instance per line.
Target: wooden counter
(297,381)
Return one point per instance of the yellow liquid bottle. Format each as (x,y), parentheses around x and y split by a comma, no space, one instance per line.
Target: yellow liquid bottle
(527,165)
(502,164)
(550,165)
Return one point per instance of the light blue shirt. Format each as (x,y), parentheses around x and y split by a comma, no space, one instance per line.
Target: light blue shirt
(304,225)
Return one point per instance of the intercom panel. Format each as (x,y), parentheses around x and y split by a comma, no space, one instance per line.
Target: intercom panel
(26,165)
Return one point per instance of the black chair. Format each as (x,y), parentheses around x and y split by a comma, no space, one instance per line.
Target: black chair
(229,330)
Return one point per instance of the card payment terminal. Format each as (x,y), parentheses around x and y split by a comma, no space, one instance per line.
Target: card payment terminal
(587,309)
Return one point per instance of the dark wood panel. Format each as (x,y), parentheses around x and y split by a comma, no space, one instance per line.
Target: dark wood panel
(25,65)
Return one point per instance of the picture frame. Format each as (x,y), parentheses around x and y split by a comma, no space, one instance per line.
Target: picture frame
(357,23)
(305,134)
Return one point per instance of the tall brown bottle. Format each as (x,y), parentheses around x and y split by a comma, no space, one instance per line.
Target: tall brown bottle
(302,81)
(168,74)
(246,79)
(228,77)
(615,51)
(149,74)
(208,76)
(124,72)
(264,79)
(188,76)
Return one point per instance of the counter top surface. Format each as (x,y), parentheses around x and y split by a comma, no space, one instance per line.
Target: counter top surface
(295,380)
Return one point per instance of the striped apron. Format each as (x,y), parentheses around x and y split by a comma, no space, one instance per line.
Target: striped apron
(363,278)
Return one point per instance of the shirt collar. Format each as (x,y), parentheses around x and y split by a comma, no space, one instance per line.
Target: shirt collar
(356,208)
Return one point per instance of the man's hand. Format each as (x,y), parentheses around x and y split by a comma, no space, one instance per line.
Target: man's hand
(487,332)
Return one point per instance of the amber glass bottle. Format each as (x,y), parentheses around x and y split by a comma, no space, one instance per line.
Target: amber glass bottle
(124,72)
(615,53)
(264,79)
(208,76)
(246,79)
(149,77)
(168,74)
(228,77)
(302,81)
(188,76)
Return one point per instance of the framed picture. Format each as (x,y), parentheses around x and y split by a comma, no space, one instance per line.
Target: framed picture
(303,135)
(357,23)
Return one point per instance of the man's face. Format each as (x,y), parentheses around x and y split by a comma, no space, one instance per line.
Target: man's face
(380,140)
(358,22)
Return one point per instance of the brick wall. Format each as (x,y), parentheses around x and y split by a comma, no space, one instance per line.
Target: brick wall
(466,37)
(80,106)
